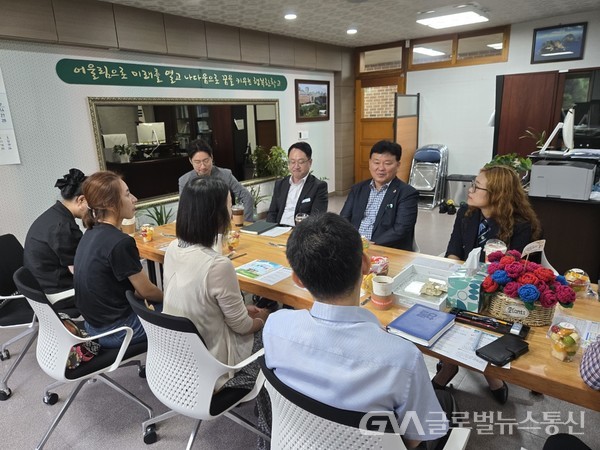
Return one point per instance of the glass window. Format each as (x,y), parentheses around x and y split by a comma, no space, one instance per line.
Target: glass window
(382,59)
(432,52)
(480,46)
(577,88)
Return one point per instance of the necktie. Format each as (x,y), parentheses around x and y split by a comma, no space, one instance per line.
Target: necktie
(484,229)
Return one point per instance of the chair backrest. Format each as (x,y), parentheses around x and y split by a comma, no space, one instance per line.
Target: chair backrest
(11,260)
(180,370)
(54,340)
(301,422)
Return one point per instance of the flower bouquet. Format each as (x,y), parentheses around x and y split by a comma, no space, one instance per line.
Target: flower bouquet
(523,291)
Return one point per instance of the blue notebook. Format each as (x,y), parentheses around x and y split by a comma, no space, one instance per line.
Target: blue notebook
(421,325)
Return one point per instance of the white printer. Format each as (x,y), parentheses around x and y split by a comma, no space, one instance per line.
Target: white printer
(562,179)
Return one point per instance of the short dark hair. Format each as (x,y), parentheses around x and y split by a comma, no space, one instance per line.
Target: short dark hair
(387,147)
(199,145)
(325,251)
(304,146)
(70,184)
(202,212)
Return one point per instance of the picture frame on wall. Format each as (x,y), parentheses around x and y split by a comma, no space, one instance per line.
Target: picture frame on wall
(312,100)
(558,43)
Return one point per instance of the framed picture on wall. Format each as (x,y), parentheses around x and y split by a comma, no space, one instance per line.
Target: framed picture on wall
(312,100)
(558,43)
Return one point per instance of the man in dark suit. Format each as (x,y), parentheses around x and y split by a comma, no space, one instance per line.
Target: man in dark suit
(299,192)
(384,209)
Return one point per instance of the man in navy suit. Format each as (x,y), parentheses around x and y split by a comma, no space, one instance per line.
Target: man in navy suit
(384,209)
(299,192)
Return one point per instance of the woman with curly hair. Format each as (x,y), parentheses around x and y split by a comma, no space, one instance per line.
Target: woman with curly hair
(497,208)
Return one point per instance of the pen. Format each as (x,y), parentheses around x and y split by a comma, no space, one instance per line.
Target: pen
(275,244)
(237,256)
(365,301)
(168,235)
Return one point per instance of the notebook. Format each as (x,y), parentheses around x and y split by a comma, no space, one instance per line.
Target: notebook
(258,227)
(421,325)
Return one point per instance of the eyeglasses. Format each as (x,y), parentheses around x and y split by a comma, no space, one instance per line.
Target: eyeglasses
(203,162)
(474,187)
(299,162)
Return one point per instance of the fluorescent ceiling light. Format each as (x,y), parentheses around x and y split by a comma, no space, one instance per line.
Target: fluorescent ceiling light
(452,16)
(290,16)
(427,51)
(351,31)
(497,46)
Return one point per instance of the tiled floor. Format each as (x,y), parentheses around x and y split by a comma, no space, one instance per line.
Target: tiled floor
(100,418)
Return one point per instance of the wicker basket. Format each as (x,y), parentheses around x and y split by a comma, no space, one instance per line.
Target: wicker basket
(503,307)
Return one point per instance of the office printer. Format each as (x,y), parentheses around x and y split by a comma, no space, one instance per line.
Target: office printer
(562,179)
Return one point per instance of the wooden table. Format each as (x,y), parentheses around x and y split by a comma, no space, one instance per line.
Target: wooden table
(536,370)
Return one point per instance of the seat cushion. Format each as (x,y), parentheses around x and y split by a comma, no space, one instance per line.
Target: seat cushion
(427,155)
(226,398)
(15,312)
(104,359)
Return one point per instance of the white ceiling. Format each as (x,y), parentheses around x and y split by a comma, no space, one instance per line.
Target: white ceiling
(377,21)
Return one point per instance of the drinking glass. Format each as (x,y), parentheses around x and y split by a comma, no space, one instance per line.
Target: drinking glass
(300,217)
(494,245)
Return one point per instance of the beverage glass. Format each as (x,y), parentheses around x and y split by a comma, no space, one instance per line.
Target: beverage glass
(494,245)
(147,232)
(300,217)
(128,226)
(238,215)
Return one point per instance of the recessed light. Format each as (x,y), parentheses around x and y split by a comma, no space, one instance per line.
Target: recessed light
(290,16)
(351,31)
(452,16)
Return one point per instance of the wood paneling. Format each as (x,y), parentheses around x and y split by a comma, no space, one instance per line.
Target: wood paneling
(223,42)
(139,29)
(85,22)
(185,37)
(528,100)
(28,19)
(254,46)
(406,136)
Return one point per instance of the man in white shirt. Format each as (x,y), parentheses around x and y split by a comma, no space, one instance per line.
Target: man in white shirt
(299,192)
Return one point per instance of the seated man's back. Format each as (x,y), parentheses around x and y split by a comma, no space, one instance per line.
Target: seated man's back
(337,353)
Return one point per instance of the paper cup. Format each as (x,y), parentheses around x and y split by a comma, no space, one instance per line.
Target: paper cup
(382,285)
(128,226)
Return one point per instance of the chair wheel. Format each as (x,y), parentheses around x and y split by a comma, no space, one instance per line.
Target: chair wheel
(150,436)
(4,355)
(142,371)
(5,394)
(51,398)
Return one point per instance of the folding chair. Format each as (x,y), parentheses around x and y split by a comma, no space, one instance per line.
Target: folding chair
(428,173)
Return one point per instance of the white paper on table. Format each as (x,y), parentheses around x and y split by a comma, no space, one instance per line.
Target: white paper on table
(277,231)
(275,276)
(434,264)
(460,342)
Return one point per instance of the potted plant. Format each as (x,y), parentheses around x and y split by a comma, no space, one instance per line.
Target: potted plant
(125,151)
(158,213)
(270,163)
(256,199)
(538,136)
(520,164)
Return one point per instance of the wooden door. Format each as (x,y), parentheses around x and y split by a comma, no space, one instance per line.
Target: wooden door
(527,100)
(374,118)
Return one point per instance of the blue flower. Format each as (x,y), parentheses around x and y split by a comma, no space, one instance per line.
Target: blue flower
(529,293)
(562,280)
(501,277)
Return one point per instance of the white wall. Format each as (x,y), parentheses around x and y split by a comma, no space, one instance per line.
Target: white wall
(456,103)
(54,132)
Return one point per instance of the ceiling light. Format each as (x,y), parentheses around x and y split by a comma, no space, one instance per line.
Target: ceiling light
(427,51)
(452,16)
(351,31)
(496,46)
(290,16)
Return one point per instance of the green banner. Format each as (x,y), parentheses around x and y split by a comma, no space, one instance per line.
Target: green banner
(79,71)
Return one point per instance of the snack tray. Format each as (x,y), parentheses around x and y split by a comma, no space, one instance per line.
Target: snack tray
(408,283)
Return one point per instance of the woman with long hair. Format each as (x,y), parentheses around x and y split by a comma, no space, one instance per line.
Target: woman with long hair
(201,284)
(497,208)
(107,262)
(53,237)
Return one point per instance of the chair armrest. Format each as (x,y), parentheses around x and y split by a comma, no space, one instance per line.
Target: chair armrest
(53,298)
(458,438)
(248,360)
(122,349)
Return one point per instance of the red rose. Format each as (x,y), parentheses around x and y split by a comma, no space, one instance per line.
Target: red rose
(544,274)
(489,285)
(528,278)
(507,260)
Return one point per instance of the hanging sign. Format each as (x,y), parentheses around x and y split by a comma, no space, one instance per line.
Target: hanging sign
(80,71)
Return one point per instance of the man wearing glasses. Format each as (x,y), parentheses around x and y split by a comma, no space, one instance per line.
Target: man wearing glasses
(201,158)
(299,192)
(384,209)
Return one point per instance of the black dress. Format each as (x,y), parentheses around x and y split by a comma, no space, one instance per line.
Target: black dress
(50,248)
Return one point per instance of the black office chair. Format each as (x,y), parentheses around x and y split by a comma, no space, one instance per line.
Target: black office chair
(15,312)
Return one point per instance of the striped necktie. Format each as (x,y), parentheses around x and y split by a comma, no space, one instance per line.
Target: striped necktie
(484,229)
